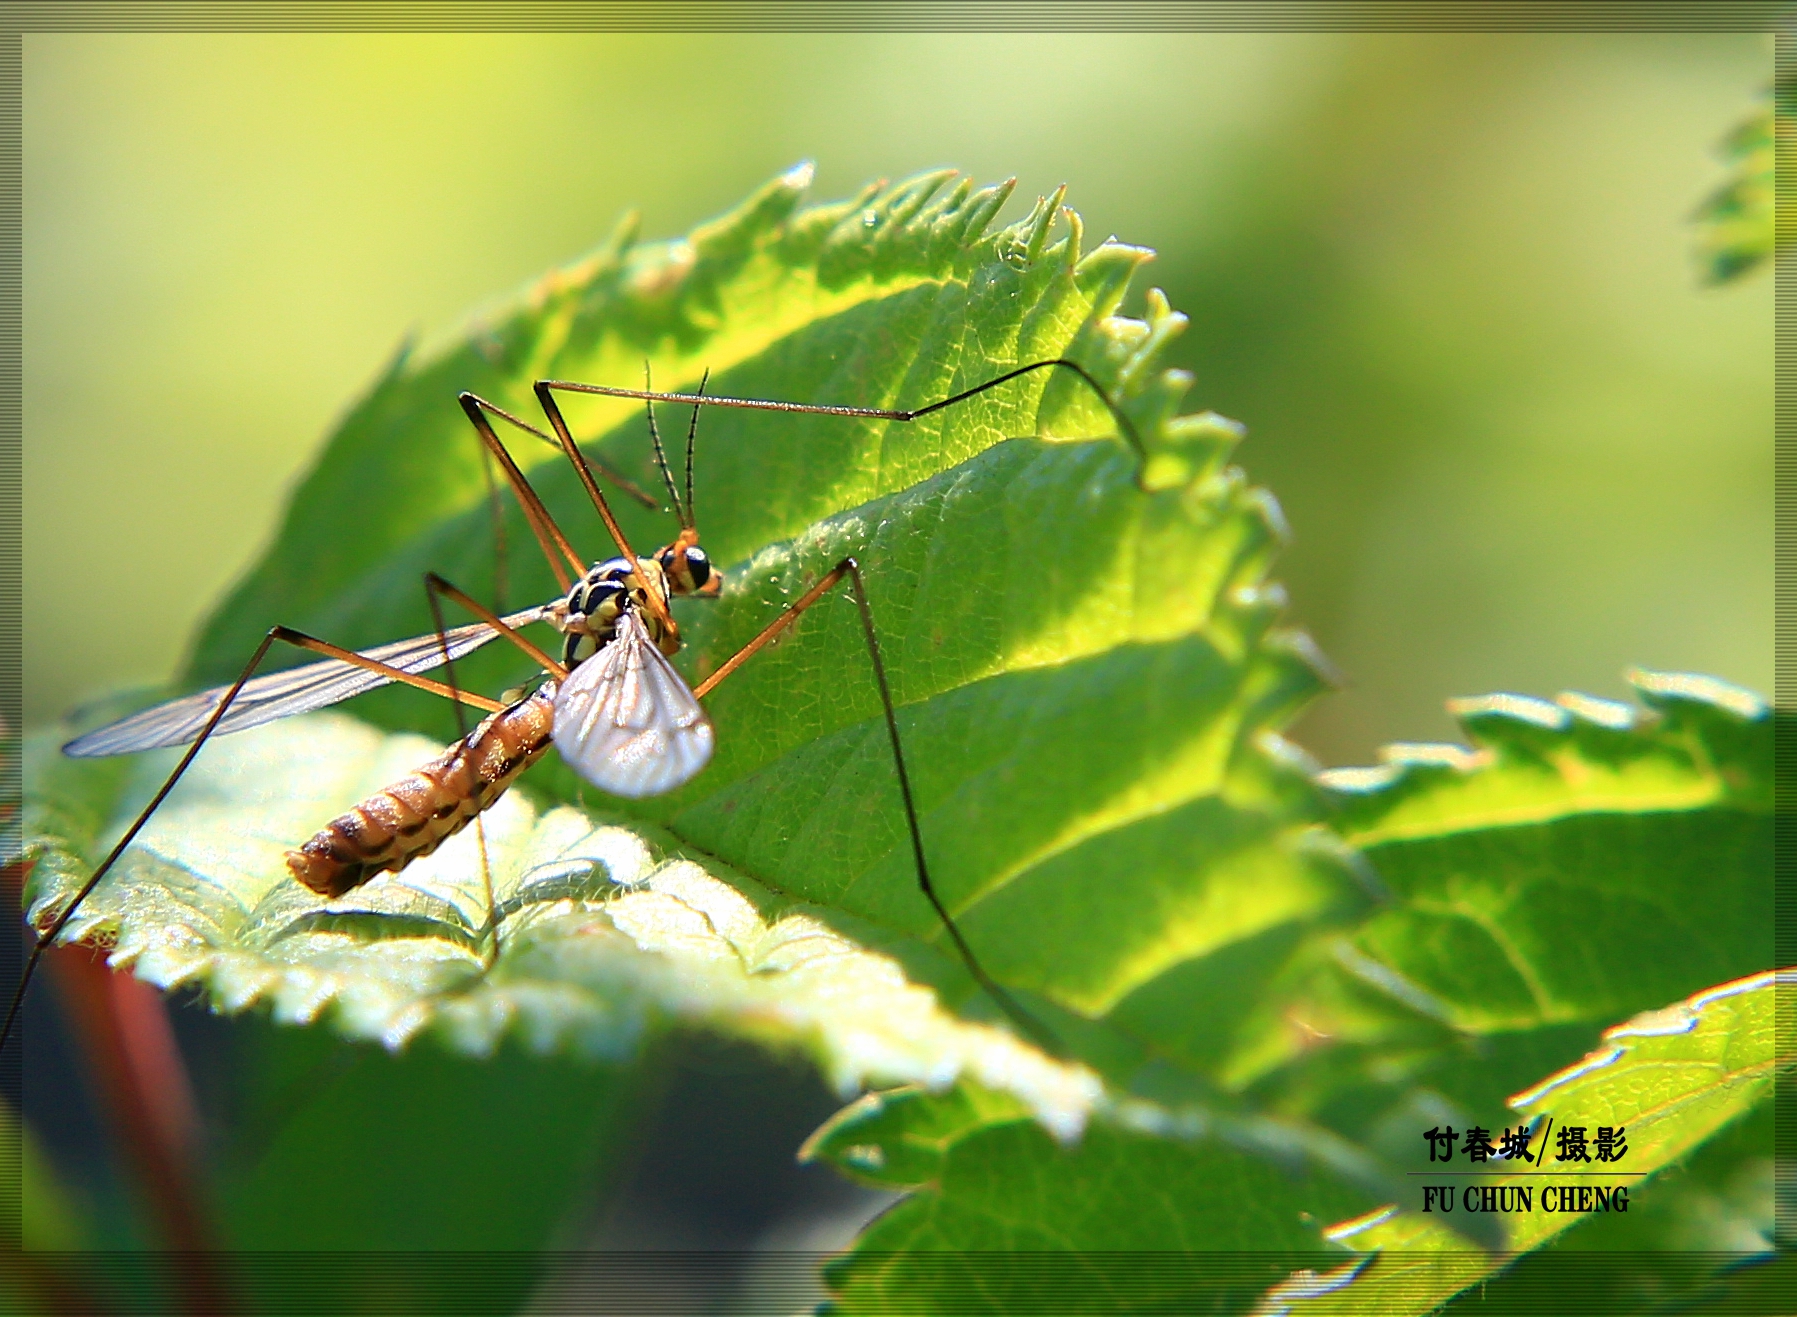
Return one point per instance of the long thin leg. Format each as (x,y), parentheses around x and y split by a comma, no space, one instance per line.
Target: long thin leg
(849,569)
(788,616)
(437,589)
(651,590)
(285,635)
(438,586)
(300,640)
(542,525)
(624,483)
(1125,426)
(461,727)
(261,651)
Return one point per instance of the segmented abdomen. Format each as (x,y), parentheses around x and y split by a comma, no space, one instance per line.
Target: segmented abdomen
(419,812)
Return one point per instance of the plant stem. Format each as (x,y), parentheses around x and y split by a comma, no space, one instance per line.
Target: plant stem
(136,1069)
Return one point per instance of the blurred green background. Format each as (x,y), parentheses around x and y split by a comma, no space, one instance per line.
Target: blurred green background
(1446,281)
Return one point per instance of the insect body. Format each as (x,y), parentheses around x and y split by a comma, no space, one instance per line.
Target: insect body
(429,805)
(613,704)
(624,719)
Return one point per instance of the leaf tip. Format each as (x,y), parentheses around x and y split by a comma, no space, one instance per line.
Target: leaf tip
(1041,220)
(624,234)
(1308,1283)
(1071,246)
(1663,688)
(1300,645)
(1505,707)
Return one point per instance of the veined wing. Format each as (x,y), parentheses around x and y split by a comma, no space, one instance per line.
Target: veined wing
(282,694)
(627,722)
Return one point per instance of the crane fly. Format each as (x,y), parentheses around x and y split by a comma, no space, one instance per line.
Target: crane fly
(612,703)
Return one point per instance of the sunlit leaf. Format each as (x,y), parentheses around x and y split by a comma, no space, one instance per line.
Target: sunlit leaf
(1263,983)
(1582,861)
(1670,1078)
(1382,1036)
(1088,675)
(602,937)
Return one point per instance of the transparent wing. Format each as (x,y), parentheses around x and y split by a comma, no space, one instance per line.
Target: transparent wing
(282,694)
(627,722)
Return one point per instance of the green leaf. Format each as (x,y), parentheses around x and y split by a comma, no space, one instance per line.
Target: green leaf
(1671,1078)
(1456,836)
(1142,1214)
(1738,221)
(898,297)
(1591,863)
(601,937)
(1700,1235)
(1582,862)
(1110,1225)
(1088,677)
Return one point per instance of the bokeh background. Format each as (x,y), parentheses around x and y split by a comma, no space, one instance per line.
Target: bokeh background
(1446,281)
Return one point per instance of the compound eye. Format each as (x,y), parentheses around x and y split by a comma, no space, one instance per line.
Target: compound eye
(699,565)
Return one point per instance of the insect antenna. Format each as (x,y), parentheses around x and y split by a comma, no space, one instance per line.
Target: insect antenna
(661,458)
(692,432)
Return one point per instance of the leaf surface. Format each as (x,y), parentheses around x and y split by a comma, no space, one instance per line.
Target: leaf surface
(1671,1078)
(1645,828)
(1263,983)
(1140,1216)
(1087,675)
(1583,861)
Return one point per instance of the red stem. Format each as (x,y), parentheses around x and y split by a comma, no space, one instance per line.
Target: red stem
(137,1071)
